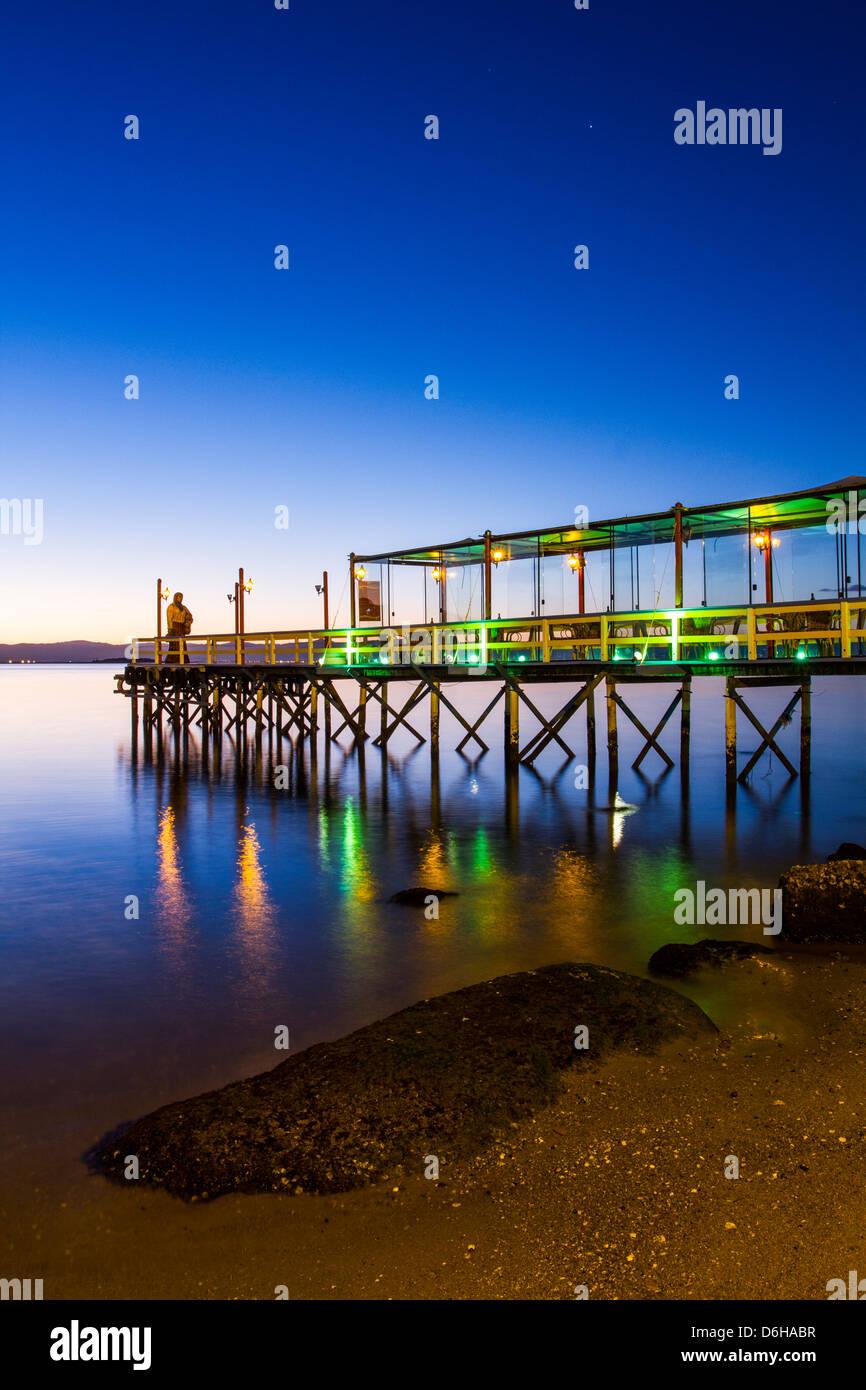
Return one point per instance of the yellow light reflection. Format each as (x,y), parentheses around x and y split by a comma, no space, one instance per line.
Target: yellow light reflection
(254,912)
(172,897)
(171,894)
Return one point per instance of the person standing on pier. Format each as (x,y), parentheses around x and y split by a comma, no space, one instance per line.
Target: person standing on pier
(179,624)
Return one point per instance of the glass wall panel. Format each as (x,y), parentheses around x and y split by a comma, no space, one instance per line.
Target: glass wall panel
(464,592)
(597,581)
(407,594)
(513,588)
(656,569)
(559,586)
(806,563)
(727,569)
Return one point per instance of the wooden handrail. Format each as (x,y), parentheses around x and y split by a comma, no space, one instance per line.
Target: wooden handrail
(537,639)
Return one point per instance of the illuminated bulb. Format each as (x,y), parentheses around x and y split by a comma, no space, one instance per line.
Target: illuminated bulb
(573,562)
(360,572)
(497,556)
(437,574)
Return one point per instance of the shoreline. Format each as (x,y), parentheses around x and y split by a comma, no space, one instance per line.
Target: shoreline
(616,1183)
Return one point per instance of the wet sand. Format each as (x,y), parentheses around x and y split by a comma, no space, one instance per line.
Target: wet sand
(619,1185)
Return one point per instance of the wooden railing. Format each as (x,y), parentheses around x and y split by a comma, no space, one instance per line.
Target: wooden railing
(766,630)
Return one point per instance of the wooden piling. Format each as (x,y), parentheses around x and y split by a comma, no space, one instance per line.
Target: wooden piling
(512,726)
(590,729)
(685,726)
(806,729)
(730,732)
(434,719)
(612,742)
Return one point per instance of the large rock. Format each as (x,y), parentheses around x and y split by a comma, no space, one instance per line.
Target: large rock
(438,1077)
(847,850)
(824,902)
(418,897)
(678,958)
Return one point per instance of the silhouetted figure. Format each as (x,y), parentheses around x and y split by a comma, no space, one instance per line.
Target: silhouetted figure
(179,624)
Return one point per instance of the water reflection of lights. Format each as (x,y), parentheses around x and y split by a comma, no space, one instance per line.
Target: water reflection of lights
(251,890)
(171,894)
(254,912)
(357,879)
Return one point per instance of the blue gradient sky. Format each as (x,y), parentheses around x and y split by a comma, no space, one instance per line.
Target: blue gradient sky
(306,388)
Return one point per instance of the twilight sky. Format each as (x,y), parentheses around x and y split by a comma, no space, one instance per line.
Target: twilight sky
(304,388)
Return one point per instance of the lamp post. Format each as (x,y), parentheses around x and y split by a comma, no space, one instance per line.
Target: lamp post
(766,542)
(323,590)
(577,563)
(161,595)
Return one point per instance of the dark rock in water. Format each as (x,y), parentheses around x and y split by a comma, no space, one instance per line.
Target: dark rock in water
(824,902)
(847,850)
(440,1077)
(417,897)
(678,958)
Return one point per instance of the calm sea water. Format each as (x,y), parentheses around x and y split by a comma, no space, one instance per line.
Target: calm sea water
(260,907)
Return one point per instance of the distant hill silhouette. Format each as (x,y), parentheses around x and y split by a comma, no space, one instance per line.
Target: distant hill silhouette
(59,652)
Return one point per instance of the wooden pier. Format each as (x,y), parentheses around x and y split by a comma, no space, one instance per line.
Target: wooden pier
(370,703)
(587,630)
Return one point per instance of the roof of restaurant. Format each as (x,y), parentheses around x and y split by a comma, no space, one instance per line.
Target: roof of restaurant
(784,510)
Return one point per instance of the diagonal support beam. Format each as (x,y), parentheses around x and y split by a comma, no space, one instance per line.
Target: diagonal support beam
(477,725)
(328,692)
(769,739)
(387,729)
(540,740)
(470,732)
(651,738)
(514,684)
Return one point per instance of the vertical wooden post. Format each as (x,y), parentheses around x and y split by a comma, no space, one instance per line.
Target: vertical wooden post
(612,742)
(443,597)
(730,733)
(581,582)
(685,725)
(590,729)
(806,728)
(314,711)
(512,726)
(383,726)
(351,591)
(362,712)
(488,578)
(678,555)
(434,719)
(158,612)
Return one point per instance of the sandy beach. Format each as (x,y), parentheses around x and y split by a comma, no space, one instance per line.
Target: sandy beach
(619,1185)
